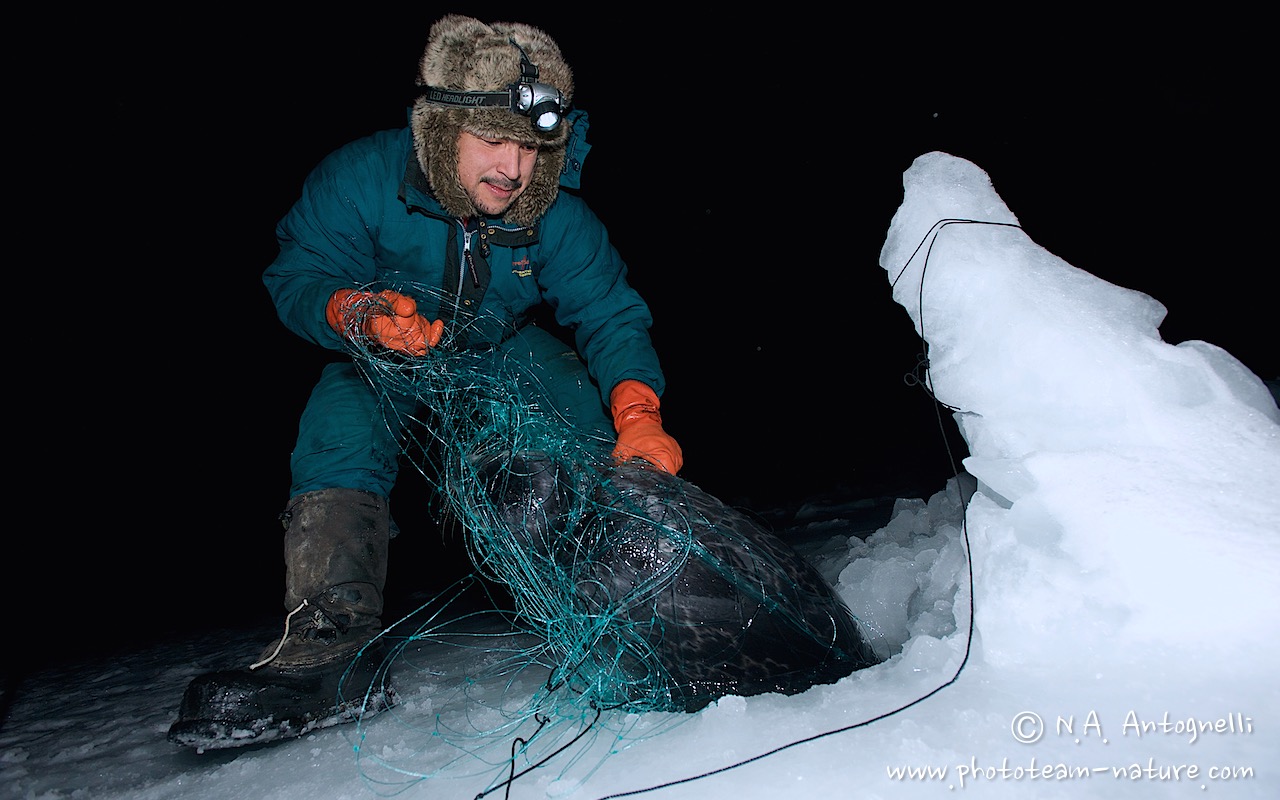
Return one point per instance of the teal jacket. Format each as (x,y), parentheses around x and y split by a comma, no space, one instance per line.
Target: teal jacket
(366,218)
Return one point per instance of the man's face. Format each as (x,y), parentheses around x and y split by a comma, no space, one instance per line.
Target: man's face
(494,172)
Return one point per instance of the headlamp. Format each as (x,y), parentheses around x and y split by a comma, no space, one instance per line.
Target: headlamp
(542,103)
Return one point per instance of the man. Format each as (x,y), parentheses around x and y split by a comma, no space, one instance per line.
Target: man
(464,200)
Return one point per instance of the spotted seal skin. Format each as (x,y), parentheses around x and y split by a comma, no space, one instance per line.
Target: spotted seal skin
(686,599)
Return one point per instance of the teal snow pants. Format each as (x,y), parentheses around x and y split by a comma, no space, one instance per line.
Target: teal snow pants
(348,439)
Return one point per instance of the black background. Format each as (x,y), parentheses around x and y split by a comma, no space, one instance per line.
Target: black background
(747,167)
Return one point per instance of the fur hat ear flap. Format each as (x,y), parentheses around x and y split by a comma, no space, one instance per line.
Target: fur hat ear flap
(467,55)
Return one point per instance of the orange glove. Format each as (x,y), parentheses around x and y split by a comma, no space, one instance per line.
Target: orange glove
(389,318)
(639,426)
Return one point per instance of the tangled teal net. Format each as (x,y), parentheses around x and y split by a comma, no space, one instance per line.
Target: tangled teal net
(630,590)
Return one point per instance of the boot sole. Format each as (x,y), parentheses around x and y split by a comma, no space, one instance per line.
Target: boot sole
(222,734)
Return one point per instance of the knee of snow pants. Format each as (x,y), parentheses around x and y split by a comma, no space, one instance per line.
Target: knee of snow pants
(349,435)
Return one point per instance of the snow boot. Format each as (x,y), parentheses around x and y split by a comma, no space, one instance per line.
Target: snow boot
(323,670)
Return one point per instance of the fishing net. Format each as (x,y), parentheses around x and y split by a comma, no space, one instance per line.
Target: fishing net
(630,590)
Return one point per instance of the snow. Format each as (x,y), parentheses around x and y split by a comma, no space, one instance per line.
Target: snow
(1113,531)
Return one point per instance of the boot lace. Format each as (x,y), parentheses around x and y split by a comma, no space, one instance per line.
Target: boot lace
(288,621)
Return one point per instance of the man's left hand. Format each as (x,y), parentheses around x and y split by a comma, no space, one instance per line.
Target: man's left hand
(639,425)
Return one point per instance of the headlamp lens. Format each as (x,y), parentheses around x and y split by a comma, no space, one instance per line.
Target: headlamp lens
(546,116)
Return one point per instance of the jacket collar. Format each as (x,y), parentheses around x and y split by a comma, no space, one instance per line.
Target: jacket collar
(415,191)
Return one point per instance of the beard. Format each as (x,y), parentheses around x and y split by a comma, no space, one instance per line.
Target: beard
(489,204)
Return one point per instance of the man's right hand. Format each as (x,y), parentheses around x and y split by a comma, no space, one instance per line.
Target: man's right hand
(388,318)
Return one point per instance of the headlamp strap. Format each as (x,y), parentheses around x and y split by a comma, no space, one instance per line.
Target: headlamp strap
(528,69)
(451,97)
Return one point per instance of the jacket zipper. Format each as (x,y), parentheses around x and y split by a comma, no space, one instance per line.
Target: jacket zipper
(468,265)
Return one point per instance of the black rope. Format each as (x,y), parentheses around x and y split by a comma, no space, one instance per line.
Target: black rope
(513,775)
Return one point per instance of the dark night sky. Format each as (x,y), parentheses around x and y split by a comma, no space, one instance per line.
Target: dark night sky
(748,171)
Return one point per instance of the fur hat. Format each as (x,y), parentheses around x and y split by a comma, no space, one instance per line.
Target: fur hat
(467,55)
